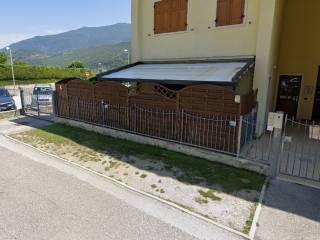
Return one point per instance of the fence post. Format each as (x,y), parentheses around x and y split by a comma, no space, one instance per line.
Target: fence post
(278,136)
(181,126)
(23,111)
(38,106)
(78,111)
(54,103)
(239,137)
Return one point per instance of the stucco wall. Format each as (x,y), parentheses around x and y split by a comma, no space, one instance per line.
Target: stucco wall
(258,36)
(300,48)
(270,23)
(198,41)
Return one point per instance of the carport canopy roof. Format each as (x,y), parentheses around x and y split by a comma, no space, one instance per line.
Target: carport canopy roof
(179,73)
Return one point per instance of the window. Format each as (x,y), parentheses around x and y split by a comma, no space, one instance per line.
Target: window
(230,12)
(170,16)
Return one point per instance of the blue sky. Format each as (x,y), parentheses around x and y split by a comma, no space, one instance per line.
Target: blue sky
(21,19)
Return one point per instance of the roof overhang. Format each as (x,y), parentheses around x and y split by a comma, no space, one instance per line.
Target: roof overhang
(218,72)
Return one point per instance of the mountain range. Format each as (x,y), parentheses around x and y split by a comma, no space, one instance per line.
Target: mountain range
(90,45)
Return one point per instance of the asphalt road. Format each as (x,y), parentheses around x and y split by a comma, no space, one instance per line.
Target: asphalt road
(42,197)
(290,212)
(38,202)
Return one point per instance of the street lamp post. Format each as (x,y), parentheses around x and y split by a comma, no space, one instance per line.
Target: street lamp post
(127,52)
(12,70)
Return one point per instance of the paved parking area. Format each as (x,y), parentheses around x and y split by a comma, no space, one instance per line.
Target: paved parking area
(290,212)
(21,124)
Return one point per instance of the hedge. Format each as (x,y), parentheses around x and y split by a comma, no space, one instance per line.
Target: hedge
(39,72)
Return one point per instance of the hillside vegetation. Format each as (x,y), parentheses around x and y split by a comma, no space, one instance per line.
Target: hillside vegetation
(110,56)
(85,37)
(34,73)
(97,48)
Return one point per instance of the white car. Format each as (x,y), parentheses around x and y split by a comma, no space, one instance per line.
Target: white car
(42,95)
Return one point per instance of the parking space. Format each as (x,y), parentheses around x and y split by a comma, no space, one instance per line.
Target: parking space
(21,124)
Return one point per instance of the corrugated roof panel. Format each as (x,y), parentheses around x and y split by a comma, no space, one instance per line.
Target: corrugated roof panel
(202,72)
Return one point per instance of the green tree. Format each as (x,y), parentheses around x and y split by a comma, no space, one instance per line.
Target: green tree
(3,58)
(20,63)
(76,64)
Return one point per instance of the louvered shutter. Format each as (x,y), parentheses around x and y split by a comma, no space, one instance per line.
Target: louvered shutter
(166,5)
(179,15)
(170,16)
(158,18)
(237,11)
(223,12)
(230,12)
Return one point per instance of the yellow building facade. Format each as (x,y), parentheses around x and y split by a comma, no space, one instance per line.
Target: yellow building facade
(282,35)
(299,54)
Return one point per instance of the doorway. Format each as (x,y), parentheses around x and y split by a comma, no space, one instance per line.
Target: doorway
(316,105)
(289,94)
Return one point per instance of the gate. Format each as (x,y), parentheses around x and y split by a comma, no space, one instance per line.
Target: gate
(299,158)
(38,101)
(292,153)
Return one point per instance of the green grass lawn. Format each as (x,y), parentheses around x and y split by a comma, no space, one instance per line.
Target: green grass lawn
(229,178)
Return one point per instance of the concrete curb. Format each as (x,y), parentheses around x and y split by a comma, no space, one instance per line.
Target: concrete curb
(257,213)
(137,191)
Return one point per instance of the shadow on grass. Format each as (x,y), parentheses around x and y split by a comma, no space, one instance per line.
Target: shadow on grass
(194,170)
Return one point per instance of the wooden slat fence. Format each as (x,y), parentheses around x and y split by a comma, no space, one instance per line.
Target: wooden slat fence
(204,115)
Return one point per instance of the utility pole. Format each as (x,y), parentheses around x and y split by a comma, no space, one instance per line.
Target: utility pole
(12,70)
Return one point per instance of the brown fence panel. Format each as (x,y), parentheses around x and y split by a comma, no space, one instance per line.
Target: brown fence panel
(80,97)
(208,99)
(202,115)
(248,102)
(159,118)
(61,100)
(153,122)
(80,88)
(210,117)
(154,96)
(209,131)
(113,99)
(111,92)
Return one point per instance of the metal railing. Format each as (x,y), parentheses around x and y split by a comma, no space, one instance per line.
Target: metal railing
(300,150)
(214,132)
(37,103)
(256,147)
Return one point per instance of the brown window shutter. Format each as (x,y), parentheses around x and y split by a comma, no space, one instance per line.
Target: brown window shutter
(166,5)
(179,15)
(237,11)
(170,16)
(158,18)
(223,12)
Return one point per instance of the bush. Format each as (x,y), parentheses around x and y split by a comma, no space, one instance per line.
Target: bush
(75,64)
(25,72)
(3,58)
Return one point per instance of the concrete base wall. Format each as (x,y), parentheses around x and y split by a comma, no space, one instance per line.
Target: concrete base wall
(197,152)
